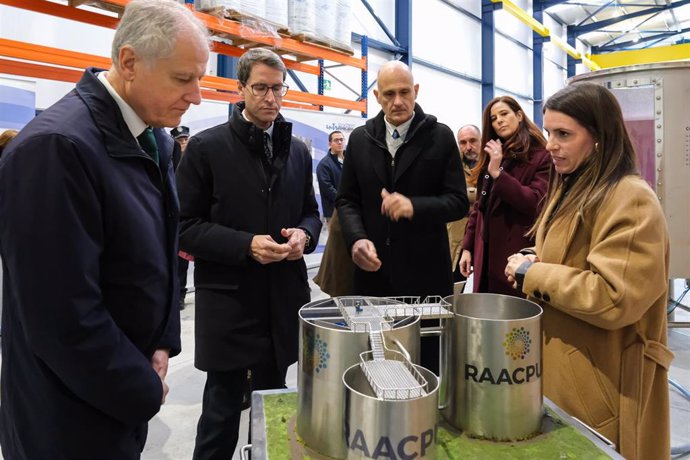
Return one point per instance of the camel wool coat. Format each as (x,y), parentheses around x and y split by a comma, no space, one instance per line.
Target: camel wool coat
(603,280)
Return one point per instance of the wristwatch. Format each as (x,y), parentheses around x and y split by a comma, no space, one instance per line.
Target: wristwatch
(520,273)
(307,241)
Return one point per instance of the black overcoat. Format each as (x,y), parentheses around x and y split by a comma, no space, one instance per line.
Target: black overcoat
(245,310)
(88,236)
(427,169)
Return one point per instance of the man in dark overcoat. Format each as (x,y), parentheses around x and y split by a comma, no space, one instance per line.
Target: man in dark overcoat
(248,214)
(402,181)
(88,236)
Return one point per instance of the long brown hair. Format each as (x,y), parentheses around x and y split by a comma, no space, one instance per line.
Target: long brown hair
(596,109)
(527,137)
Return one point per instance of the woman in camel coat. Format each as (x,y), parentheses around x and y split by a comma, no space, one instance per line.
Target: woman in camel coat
(600,270)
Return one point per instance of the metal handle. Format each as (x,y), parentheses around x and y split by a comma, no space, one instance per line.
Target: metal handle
(247,449)
(430,331)
(402,349)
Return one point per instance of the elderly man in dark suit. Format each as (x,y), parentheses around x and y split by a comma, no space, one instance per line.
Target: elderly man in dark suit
(402,181)
(88,236)
(248,214)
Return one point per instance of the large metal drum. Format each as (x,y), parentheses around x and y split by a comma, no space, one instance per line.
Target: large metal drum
(491,379)
(384,428)
(654,100)
(328,347)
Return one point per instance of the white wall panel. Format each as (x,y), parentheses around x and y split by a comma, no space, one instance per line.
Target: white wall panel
(471,6)
(454,101)
(554,79)
(41,29)
(447,37)
(513,66)
(552,52)
(512,27)
(363,22)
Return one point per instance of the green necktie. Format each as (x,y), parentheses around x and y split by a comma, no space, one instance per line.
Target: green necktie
(147,141)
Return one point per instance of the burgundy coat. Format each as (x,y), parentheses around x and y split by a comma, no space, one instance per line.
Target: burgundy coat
(511,204)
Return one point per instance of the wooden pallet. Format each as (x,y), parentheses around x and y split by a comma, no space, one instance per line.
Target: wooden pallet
(250,18)
(324,43)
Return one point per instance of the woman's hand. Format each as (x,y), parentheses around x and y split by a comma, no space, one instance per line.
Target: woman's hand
(466,263)
(514,261)
(494,149)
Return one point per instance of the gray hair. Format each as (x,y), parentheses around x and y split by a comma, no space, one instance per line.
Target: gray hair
(475,127)
(152,27)
(258,56)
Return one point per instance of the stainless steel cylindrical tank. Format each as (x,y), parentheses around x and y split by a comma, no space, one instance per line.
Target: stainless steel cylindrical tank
(491,380)
(328,347)
(384,428)
(653,98)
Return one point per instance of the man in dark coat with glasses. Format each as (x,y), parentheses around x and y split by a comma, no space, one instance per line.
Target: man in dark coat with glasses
(247,214)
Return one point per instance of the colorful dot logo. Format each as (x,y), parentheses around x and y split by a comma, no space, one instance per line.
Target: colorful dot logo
(517,343)
(321,347)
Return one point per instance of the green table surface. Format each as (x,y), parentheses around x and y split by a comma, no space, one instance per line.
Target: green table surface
(274,436)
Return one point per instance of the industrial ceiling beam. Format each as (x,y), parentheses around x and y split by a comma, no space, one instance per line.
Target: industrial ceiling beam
(549,3)
(623,45)
(579,30)
(591,15)
(633,29)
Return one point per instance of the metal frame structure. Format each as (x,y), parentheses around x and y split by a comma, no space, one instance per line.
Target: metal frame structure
(39,61)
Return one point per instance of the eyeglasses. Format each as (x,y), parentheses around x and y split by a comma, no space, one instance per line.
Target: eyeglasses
(261,89)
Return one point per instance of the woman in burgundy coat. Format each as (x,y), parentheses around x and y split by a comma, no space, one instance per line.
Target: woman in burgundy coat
(512,177)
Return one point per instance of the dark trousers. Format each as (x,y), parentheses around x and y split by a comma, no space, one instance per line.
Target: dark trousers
(217,432)
(182,267)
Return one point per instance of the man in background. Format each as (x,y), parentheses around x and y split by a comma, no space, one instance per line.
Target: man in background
(181,136)
(88,237)
(469,141)
(248,214)
(328,172)
(402,182)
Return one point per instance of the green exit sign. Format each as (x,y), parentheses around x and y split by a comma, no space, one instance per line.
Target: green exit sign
(326,85)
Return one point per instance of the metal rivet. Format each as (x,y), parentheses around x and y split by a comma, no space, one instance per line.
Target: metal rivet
(658,98)
(658,112)
(483,192)
(659,126)
(658,155)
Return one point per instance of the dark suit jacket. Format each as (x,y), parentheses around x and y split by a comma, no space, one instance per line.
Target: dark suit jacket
(328,174)
(88,236)
(511,204)
(245,312)
(414,253)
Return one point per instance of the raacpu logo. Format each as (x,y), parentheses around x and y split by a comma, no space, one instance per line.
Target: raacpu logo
(517,343)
